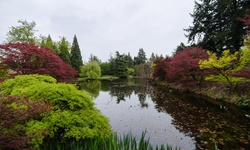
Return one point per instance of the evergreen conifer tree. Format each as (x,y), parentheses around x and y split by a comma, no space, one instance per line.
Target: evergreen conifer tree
(64,51)
(49,42)
(76,57)
(121,66)
(141,57)
(216,26)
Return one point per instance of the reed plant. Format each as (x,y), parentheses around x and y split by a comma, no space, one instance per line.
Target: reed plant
(114,142)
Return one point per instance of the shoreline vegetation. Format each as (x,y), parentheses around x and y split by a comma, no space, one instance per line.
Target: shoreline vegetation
(38,103)
(218,92)
(114,142)
(109,78)
(215,91)
(46,114)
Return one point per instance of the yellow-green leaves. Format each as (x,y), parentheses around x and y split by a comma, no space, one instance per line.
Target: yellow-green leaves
(73,115)
(244,62)
(225,62)
(229,68)
(90,70)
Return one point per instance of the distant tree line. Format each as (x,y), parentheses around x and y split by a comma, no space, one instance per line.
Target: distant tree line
(119,65)
(218,25)
(123,65)
(27,54)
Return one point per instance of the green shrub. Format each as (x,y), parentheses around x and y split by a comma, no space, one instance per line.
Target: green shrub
(23,81)
(243,102)
(73,115)
(90,70)
(17,114)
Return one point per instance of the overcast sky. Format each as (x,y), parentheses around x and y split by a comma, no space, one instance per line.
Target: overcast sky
(103,27)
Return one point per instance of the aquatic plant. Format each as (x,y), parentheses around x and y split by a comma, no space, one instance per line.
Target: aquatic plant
(114,142)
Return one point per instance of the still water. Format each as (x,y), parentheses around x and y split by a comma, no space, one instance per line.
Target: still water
(170,117)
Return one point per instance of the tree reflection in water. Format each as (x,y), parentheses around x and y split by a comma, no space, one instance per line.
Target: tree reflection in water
(208,123)
(125,88)
(91,86)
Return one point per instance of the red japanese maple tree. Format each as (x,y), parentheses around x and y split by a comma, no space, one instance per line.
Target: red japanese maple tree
(24,58)
(184,66)
(161,67)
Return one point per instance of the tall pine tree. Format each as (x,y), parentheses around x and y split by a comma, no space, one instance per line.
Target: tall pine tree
(216,26)
(94,58)
(49,44)
(76,57)
(141,57)
(64,50)
(121,66)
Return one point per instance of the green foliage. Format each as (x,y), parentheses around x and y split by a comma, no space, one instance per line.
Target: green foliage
(226,79)
(131,71)
(64,50)
(243,102)
(23,33)
(20,82)
(244,62)
(73,115)
(48,43)
(75,55)
(120,66)
(152,57)
(90,70)
(37,130)
(129,60)
(17,113)
(114,142)
(94,58)
(79,124)
(105,68)
(226,69)
(2,73)
(216,25)
(62,96)
(225,62)
(179,48)
(141,57)
(91,86)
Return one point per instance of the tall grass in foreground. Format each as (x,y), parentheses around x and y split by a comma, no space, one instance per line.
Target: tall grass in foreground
(114,142)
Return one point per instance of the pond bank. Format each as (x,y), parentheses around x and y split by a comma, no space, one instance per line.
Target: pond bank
(169,116)
(239,96)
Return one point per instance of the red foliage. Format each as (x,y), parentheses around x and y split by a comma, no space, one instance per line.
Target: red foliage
(160,70)
(184,66)
(245,73)
(12,120)
(24,58)
(246,19)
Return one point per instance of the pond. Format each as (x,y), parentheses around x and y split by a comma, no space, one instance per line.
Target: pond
(170,117)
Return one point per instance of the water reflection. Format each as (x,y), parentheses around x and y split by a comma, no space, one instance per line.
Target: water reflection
(91,86)
(179,119)
(125,88)
(209,123)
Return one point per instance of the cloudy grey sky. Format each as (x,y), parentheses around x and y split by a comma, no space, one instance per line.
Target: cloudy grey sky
(105,26)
